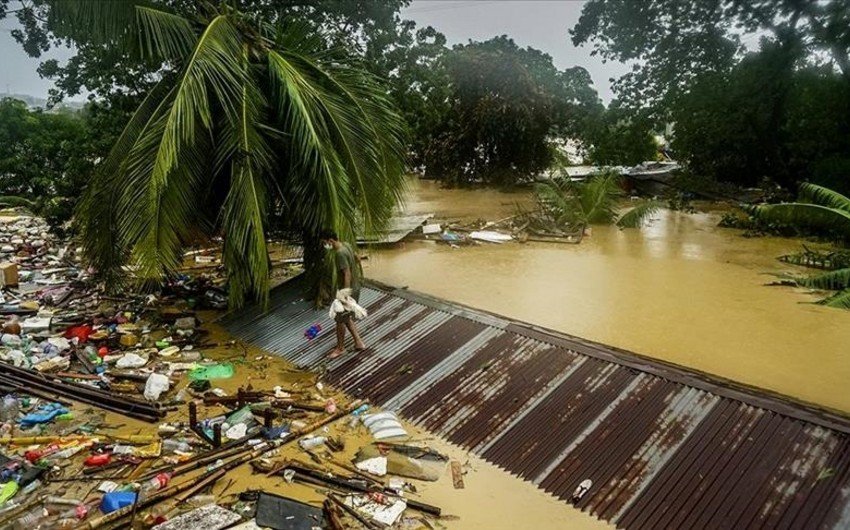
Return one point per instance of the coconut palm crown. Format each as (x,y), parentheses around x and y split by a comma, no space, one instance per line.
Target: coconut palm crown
(251,127)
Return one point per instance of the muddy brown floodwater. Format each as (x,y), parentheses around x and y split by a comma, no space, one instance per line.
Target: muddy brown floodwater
(681,289)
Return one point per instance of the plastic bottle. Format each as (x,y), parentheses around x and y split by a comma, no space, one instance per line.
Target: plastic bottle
(153,484)
(32,486)
(68,452)
(38,454)
(360,410)
(71,518)
(312,442)
(7,339)
(31,519)
(217,464)
(171,445)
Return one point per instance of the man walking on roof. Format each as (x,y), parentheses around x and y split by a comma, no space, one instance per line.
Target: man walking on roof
(349,276)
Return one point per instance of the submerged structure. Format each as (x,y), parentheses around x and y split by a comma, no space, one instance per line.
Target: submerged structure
(634,441)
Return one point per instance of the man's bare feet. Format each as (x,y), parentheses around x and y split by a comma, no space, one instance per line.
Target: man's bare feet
(360,347)
(336,352)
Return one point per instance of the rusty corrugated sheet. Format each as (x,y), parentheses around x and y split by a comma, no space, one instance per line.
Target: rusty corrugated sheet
(663,447)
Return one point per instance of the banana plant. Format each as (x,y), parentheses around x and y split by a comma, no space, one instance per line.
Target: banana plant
(819,208)
(251,126)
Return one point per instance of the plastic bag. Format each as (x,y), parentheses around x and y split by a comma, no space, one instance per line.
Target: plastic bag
(155,386)
(213,371)
(131,360)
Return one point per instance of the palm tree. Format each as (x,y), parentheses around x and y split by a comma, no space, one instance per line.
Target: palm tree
(251,127)
(820,208)
(595,201)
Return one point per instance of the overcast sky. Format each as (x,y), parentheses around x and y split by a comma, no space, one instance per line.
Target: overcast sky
(538,23)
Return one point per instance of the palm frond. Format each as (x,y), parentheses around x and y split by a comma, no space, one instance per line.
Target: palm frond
(170,161)
(635,217)
(824,197)
(137,26)
(100,21)
(163,35)
(833,280)
(559,199)
(367,132)
(599,196)
(316,171)
(245,254)
(96,214)
(811,215)
(840,300)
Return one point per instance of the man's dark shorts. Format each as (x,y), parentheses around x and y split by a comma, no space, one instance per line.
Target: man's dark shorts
(344,317)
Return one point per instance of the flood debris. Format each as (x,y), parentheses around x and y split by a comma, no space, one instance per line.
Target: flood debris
(111,414)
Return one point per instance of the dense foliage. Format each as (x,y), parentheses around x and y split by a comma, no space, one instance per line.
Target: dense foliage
(46,158)
(251,127)
(823,209)
(754,90)
(504,104)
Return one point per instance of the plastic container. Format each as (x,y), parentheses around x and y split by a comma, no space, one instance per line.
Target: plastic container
(116,500)
(7,339)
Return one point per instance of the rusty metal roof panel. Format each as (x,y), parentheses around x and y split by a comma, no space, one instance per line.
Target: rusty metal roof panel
(662,447)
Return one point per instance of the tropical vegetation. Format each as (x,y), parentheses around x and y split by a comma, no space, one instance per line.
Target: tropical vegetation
(251,127)
(566,204)
(823,209)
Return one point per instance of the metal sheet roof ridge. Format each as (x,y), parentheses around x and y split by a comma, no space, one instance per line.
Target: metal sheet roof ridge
(755,396)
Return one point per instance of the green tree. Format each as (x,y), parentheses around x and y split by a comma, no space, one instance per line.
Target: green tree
(671,42)
(823,209)
(618,137)
(256,127)
(391,48)
(505,102)
(45,157)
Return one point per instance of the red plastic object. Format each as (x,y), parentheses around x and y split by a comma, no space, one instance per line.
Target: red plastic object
(103,351)
(36,454)
(81,332)
(98,460)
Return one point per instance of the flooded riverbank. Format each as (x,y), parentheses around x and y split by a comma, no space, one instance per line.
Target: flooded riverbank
(680,289)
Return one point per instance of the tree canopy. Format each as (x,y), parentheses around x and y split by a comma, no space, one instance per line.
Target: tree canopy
(754,90)
(504,103)
(253,126)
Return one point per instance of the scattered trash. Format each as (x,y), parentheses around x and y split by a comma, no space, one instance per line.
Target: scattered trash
(376,466)
(313,331)
(582,488)
(378,508)
(211,517)
(433,228)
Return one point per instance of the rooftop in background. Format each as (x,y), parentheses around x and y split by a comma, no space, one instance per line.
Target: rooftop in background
(662,446)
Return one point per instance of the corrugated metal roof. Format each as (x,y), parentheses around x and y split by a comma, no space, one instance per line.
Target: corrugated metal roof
(664,447)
